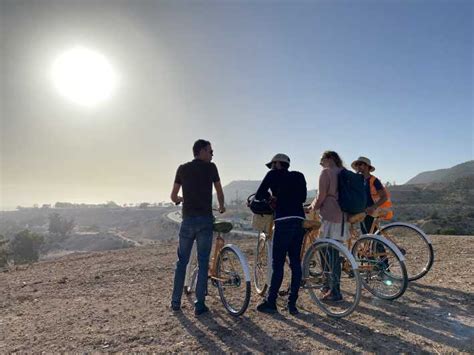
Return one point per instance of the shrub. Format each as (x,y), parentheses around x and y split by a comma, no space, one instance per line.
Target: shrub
(25,246)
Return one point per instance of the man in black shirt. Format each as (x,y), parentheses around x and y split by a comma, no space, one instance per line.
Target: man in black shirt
(196,178)
(289,193)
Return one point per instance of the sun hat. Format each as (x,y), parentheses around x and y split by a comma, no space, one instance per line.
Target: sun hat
(278,157)
(362,160)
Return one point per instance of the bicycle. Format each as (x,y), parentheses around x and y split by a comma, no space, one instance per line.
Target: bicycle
(381,264)
(414,244)
(228,271)
(317,269)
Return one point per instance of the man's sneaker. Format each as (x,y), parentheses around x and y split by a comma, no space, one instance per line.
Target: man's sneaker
(293,310)
(198,310)
(266,307)
(175,306)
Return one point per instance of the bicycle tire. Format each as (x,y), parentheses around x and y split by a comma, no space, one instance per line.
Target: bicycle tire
(314,273)
(415,246)
(228,279)
(262,266)
(381,266)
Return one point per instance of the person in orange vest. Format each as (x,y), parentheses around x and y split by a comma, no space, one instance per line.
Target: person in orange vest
(378,197)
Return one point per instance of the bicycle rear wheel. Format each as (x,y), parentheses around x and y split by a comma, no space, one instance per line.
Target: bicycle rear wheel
(233,280)
(414,245)
(328,264)
(262,266)
(381,266)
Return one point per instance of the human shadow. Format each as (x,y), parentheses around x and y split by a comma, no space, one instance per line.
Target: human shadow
(251,336)
(208,344)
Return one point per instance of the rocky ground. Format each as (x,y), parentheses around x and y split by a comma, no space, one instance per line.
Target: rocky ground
(118,301)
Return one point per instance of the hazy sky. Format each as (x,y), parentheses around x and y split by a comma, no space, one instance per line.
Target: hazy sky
(392,80)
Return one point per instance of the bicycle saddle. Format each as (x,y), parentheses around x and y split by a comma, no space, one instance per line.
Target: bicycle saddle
(222,226)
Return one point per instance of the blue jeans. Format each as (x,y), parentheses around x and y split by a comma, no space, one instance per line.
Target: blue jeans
(199,229)
(287,239)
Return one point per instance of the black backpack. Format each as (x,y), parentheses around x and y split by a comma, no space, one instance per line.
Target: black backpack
(259,206)
(351,190)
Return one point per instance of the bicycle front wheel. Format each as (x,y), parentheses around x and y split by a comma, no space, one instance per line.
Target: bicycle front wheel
(262,266)
(329,268)
(381,266)
(233,280)
(414,245)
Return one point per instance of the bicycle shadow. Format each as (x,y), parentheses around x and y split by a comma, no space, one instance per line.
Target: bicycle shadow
(446,297)
(435,327)
(357,334)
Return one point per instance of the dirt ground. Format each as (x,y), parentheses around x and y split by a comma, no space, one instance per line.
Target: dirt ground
(119,301)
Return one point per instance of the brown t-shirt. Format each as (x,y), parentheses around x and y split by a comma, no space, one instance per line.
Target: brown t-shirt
(196,178)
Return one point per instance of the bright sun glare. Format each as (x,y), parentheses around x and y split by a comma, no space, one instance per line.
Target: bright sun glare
(83,76)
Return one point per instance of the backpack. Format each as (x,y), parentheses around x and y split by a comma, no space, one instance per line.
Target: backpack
(351,190)
(261,207)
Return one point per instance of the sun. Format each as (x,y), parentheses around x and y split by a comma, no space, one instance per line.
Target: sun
(84,76)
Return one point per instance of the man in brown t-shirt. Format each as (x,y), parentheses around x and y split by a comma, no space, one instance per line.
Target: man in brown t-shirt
(196,178)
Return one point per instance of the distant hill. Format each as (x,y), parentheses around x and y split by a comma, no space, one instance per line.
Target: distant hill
(444,175)
(239,190)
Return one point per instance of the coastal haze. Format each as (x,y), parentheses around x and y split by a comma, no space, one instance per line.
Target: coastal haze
(387,80)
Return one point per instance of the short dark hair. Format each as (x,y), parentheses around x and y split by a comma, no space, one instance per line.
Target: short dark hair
(199,145)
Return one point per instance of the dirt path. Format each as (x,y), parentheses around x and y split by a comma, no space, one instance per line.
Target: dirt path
(118,301)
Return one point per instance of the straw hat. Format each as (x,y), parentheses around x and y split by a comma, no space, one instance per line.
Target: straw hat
(362,160)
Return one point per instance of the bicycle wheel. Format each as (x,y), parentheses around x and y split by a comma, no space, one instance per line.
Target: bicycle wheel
(381,266)
(233,280)
(191,272)
(329,265)
(414,244)
(262,266)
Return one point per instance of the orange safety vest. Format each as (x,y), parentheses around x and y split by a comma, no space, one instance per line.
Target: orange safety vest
(387,205)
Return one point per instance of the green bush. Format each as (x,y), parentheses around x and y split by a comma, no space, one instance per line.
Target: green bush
(3,251)
(448,231)
(25,246)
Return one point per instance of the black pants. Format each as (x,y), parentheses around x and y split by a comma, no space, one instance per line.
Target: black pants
(287,240)
(365,226)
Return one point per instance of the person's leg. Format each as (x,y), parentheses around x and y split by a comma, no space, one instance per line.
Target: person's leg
(336,267)
(294,253)
(280,249)
(186,240)
(204,246)
(366,224)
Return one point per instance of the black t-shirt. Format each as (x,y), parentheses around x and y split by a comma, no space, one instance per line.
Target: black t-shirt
(378,186)
(289,187)
(196,178)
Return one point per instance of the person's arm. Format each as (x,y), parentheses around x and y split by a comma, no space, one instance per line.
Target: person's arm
(262,192)
(174,194)
(220,196)
(322,190)
(304,190)
(383,197)
(176,186)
